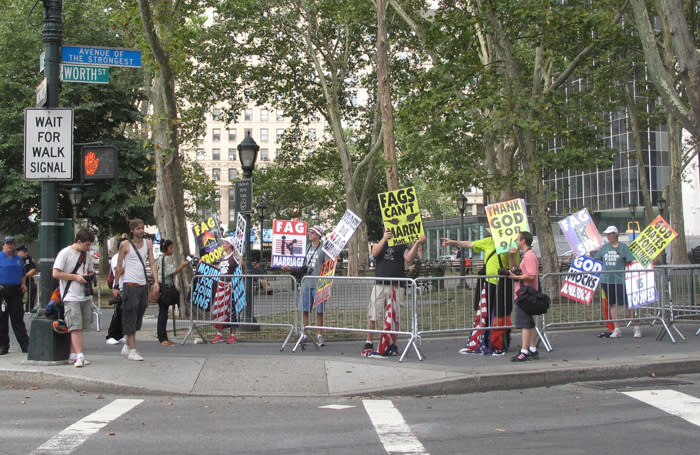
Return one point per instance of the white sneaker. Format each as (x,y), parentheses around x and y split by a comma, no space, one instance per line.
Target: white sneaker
(112,341)
(320,341)
(637,332)
(133,355)
(125,350)
(79,362)
(617,333)
(122,340)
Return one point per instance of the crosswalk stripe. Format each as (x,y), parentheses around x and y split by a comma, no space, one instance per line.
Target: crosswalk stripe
(72,437)
(675,403)
(393,431)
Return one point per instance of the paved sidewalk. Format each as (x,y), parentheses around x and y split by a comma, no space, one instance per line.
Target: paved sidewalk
(260,369)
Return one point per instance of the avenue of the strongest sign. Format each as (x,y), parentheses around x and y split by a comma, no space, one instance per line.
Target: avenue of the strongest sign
(48,144)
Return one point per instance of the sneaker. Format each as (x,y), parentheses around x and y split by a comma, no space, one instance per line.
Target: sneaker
(133,355)
(231,339)
(367,350)
(617,333)
(218,338)
(79,363)
(72,362)
(637,332)
(320,341)
(534,355)
(112,341)
(498,353)
(376,355)
(465,350)
(304,339)
(392,350)
(125,350)
(520,357)
(122,340)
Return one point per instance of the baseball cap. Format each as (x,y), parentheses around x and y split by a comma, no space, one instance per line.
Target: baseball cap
(8,239)
(21,248)
(317,229)
(229,239)
(610,230)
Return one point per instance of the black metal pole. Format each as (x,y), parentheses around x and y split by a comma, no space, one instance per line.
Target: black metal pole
(248,314)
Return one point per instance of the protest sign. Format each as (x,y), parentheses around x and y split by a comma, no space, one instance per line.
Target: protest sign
(652,241)
(582,280)
(239,236)
(288,243)
(204,286)
(323,287)
(640,285)
(336,240)
(506,220)
(401,215)
(581,233)
(207,236)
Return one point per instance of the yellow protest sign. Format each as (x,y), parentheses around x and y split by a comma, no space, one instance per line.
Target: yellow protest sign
(401,215)
(652,241)
(506,220)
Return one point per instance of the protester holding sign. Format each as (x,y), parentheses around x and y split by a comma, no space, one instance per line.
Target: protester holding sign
(615,257)
(313,262)
(227,266)
(390,264)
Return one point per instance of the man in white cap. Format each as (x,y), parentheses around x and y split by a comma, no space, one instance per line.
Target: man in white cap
(313,263)
(615,257)
(227,266)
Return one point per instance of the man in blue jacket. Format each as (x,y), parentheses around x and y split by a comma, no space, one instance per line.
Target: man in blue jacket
(12,287)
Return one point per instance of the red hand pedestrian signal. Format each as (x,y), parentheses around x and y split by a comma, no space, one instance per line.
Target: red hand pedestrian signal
(98,162)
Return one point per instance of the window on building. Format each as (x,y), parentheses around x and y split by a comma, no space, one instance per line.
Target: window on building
(232,154)
(232,135)
(216,154)
(216,134)
(216,114)
(264,115)
(279,116)
(216,174)
(279,133)
(200,155)
(265,154)
(313,117)
(312,134)
(264,135)
(232,173)
(248,115)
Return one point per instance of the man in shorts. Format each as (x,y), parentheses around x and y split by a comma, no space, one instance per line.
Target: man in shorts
(73,266)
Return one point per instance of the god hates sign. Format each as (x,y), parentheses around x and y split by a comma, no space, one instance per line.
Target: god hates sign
(652,241)
(582,280)
(288,243)
(506,220)
(401,215)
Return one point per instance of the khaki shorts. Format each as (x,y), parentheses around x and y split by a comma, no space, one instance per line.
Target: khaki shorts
(78,315)
(378,298)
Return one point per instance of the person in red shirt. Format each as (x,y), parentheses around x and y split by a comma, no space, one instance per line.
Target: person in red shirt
(528,276)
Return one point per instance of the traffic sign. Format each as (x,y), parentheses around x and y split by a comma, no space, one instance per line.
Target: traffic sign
(102,56)
(244,195)
(48,144)
(98,162)
(85,74)
(41,94)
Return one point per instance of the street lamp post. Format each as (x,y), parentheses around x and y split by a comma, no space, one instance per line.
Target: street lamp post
(461,206)
(247,154)
(261,214)
(76,197)
(633,211)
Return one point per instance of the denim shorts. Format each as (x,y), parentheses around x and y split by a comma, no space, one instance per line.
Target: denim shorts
(306,300)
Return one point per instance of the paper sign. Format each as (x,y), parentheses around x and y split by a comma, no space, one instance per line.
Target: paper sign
(401,215)
(204,286)
(288,243)
(639,285)
(506,219)
(323,288)
(581,233)
(583,281)
(652,241)
(239,236)
(208,239)
(336,241)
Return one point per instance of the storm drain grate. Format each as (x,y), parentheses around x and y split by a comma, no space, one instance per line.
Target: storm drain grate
(627,384)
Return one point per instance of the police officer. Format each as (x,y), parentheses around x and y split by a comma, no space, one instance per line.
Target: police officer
(29,271)
(12,287)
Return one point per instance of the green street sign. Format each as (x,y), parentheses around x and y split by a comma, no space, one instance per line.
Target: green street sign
(85,74)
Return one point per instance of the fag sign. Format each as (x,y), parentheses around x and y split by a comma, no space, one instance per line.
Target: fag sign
(581,233)
(288,243)
(507,219)
(652,241)
(98,162)
(582,280)
(401,215)
(207,236)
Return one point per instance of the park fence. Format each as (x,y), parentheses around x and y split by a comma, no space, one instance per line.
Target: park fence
(438,306)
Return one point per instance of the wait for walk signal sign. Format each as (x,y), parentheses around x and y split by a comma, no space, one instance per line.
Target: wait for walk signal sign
(98,162)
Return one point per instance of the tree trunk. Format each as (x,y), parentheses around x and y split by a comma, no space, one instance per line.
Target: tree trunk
(385,104)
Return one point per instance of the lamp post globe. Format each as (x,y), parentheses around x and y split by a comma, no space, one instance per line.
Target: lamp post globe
(247,153)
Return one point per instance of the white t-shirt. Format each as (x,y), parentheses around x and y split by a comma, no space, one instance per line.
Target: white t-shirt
(65,261)
(113,266)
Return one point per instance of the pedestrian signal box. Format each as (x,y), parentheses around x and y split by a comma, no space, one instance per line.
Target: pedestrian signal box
(98,162)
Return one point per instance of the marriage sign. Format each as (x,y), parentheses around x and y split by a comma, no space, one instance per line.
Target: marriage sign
(401,215)
(288,243)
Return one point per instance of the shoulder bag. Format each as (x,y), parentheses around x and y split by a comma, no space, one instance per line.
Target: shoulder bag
(153,294)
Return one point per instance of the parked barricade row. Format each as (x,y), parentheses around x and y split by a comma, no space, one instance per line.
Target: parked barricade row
(682,293)
(269,302)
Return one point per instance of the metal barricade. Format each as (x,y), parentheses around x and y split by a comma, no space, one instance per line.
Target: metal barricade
(682,293)
(569,311)
(346,309)
(273,298)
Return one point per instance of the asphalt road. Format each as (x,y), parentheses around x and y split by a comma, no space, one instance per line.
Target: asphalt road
(584,418)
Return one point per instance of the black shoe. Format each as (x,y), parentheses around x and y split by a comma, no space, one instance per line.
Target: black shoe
(520,357)
(534,355)
(4,350)
(270,292)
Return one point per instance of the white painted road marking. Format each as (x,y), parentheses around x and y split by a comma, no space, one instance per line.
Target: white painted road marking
(337,407)
(393,431)
(72,437)
(675,403)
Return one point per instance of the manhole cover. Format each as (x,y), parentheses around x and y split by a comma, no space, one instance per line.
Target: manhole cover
(627,384)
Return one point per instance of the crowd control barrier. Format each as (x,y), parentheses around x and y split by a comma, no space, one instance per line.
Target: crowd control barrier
(346,310)
(272,298)
(682,293)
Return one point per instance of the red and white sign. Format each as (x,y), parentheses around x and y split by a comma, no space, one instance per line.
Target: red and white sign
(48,144)
(288,243)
